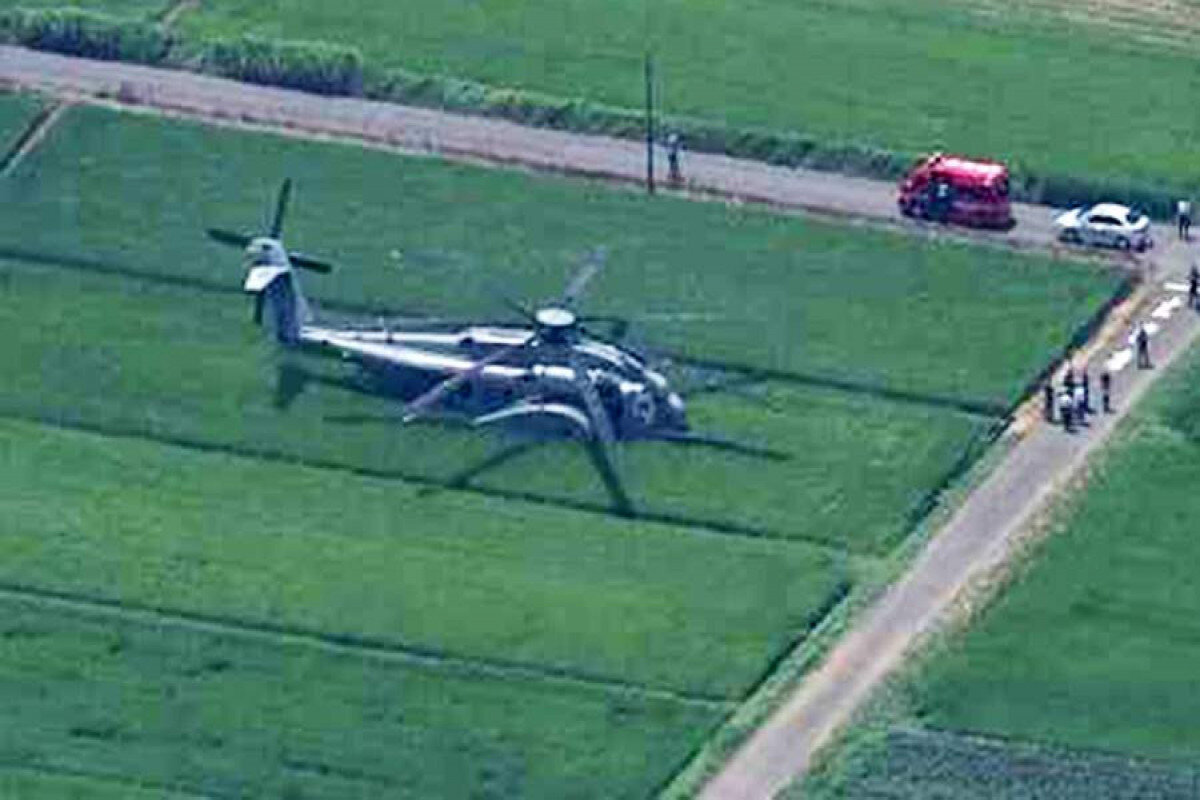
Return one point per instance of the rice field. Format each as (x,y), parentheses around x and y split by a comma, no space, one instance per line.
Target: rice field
(1032,82)
(190,548)
(1081,675)
(880,310)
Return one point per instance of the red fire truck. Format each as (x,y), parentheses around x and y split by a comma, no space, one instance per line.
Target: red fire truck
(956,189)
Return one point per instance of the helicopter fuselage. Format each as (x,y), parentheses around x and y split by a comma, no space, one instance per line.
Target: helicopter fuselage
(638,399)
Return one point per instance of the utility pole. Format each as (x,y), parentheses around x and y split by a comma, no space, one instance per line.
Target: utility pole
(649,123)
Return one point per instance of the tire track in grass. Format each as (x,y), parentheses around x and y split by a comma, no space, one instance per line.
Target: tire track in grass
(344,644)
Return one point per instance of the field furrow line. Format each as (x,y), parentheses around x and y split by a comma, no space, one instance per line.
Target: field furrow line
(338,643)
(693,524)
(60,771)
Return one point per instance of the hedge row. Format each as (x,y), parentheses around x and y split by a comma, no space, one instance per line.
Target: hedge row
(333,70)
(311,66)
(79,32)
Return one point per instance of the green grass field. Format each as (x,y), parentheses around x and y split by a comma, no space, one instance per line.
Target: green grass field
(1083,672)
(16,111)
(1095,647)
(177,708)
(883,310)
(170,603)
(470,577)
(31,783)
(915,764)
(1055,91)
(166,362)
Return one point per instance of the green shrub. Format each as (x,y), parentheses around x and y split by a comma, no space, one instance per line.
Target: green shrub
(310,66)
(79,32)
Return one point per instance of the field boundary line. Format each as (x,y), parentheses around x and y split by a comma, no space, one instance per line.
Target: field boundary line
(43,768)
(33,135)
(691,525)
(353,645)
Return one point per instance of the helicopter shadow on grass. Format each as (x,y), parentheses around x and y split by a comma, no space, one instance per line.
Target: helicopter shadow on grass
(513,442)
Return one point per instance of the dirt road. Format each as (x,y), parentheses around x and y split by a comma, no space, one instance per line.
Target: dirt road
(978,537)
(418,130)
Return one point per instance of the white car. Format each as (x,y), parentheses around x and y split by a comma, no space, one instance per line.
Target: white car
(1107,225)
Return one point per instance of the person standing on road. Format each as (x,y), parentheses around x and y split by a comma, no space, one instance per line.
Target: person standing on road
(1183,211)
(1080,405)
(1069,379)
(1194,286)
(1142,342)
(1066,411)
(1048,401)
(1086,382)
(674,150)
(1106,390)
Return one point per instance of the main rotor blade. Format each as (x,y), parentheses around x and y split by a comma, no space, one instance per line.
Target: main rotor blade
(290,383)
(612,479)
(591,399)
(594,263)
(614,341)
(229,237)
(309,263)
(600,445)
(720,443)
(285,193)
(418,406)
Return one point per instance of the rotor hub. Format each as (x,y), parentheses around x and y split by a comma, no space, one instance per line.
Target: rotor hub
(556,319)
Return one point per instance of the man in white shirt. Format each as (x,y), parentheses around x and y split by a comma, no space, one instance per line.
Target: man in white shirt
(1183,211)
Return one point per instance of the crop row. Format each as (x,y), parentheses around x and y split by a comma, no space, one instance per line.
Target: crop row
(379,560)
(915,763)
(225,717)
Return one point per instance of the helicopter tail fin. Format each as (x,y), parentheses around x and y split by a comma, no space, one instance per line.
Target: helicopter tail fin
(271,277)
(276,291)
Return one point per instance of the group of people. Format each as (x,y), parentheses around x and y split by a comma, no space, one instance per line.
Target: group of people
(1073,400)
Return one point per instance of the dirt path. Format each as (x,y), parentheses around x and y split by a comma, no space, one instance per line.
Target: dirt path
(977,539)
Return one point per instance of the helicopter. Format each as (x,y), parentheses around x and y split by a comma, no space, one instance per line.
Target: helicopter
(554,373)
